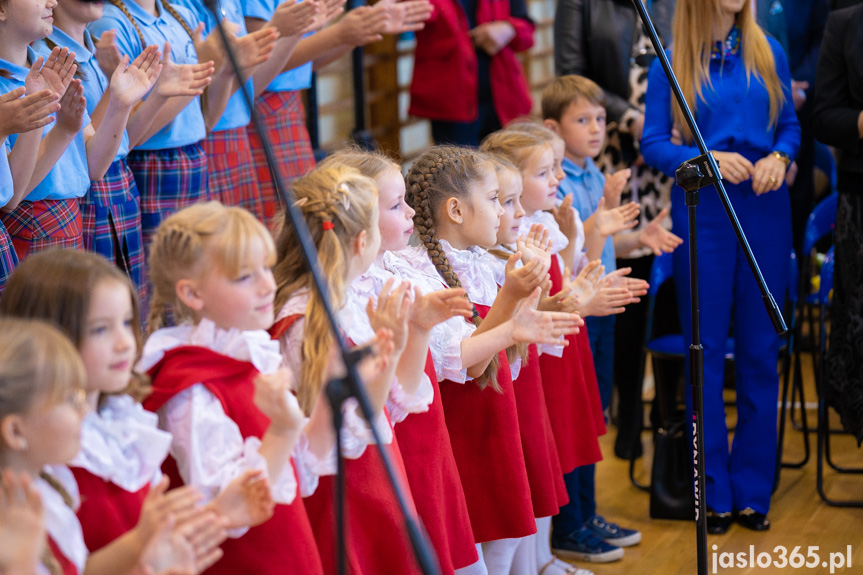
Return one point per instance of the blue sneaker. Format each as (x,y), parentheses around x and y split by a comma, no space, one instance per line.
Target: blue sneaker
(611,532)
(583,545)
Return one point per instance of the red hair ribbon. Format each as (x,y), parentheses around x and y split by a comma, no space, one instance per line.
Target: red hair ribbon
(327,225)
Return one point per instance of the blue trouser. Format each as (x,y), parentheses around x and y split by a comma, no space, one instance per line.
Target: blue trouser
(581,482)
(743,476)
(581,487)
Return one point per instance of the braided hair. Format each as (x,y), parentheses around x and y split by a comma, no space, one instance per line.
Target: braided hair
(439,173)
(338,204)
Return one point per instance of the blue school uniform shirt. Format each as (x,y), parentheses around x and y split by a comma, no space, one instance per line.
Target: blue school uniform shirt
(188,127)
(734,116)
(236,113)
(586,185)
(69,178)
(6,189)
(298,78)
(92,78)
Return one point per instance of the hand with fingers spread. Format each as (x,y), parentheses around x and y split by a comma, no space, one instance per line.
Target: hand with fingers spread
(131,82)
(619,278)
(330,9)
(246,501)
(185,547)
(438,306)
(607,301)
(22,526)
(254,49)
(392,312)
(734,167)
(542,327)
(564,215)
(535,244)
(586,284)
(70,117)
(657,238)
(405,16)
(362,25)
(183,79)
(160,505)
(293,18)
(614,186)
(610,221)
(521,281)
(107,52)
(53,73)
(274,398)
(492,37)
(566,300)
(20,114)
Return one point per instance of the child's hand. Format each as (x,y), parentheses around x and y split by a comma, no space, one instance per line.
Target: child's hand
(614,185)
(160,505)
(329,10)
(362,25)
(492,37)
(564,215)
(619,278)
(274,398)
(607,301)
(657,238)
(520,282)
(20,115)
(405,16)
(52,73)
(246,501)
(187,547)
(542,327)
(107,53)
(392,312)
(436,307)
(182,79)
(535,245)
(131,82)
(586,284)
(70,117)
(293,18)
(610,221)
(22,528)
(254,49)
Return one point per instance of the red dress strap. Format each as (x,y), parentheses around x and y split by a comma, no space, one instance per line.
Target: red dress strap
(278,329)
(67,567)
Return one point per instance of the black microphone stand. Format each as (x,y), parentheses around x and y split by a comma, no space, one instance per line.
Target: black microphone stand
(338,390)
(693,175)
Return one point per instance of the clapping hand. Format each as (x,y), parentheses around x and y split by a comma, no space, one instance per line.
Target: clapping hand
(405,16)
(611,221)
(274,398)
(392,312)
(70,117)
(131,82)
(438,306)
(564,215)
(542,327)
(246,501)
(182,79)
(53,73)
(19,115)
(535,244)
(657,238)
(293,18)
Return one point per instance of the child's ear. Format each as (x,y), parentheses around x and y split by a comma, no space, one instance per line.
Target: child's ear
(453,210)
(12,432)
(552,125)
(359,243)
(188,293)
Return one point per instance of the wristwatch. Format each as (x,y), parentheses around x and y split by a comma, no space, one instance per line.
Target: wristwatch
(782,157)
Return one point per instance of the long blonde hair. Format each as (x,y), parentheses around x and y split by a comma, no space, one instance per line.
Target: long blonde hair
(338,204)
(515,146)
(440,173)
(690,56)
(196,239)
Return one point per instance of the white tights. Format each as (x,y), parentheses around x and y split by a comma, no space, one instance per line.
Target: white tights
(498,555)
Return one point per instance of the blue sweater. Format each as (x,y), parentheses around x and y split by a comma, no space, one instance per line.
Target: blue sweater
(733,117)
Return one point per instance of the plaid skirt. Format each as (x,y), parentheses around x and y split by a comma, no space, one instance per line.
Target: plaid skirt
(168,180)
(284,118)
(111,216)
(8,257)
(233,178)
(42,224)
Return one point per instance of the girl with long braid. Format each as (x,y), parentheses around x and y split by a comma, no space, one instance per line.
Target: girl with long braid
(455,194)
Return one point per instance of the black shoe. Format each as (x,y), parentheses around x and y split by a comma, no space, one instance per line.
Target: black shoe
(718,523)
(751,519)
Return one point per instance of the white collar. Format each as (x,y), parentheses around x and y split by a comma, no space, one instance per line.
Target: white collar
(254,346)
(60,520)
(121,443)
(472,266)
(413,263)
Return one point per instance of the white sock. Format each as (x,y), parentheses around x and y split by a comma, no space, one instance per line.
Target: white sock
(477,568)
(543,541)
(524,561)
(498,555)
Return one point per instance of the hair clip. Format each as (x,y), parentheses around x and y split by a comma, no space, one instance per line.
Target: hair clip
(301,202)
(346,200)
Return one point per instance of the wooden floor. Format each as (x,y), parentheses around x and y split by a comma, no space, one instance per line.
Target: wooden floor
(798,516)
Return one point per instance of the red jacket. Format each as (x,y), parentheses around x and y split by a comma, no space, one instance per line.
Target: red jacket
(444,85)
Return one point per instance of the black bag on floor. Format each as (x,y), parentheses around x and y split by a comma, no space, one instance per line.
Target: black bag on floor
(671,475)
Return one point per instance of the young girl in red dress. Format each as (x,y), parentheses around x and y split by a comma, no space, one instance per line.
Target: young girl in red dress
(218,385)
(455,193)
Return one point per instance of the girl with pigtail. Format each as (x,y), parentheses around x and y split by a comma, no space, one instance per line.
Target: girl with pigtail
(42,402)
(455,194)
(219,386)
(169,161)
(341,208)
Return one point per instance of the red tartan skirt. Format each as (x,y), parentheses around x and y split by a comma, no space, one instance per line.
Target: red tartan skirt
(572,397)
(233,178)
(8,257)
(284,119)
(37,226)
